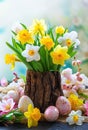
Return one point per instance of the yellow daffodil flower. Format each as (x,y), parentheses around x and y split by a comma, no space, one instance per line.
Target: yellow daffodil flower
(59,55)
(10,59)
(24,36)
(38,26)
(75,101)
(60,30)
(33,115)
(47,42)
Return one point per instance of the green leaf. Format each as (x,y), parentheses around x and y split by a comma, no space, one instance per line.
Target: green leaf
(83,95)
(40,66)
(18,113)
(14,42)
(37,66)
(47,59)
(52,66)
(24,26)
(73,53)
(50,32)
(23,77)
(8,117)
(14,33)
(71,50)
(43,57)
(17,45)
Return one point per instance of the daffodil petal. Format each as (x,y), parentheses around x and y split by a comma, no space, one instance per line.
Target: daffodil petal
(30,108)
(30,123)
(26,114)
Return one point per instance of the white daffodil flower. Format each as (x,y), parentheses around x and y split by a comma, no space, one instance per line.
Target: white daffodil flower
(16,27)
(75,117)
(31,53)
(69,39)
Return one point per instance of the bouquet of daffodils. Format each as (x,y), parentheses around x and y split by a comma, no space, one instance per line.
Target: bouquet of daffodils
(40,47)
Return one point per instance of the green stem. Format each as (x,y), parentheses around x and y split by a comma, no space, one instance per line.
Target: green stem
(47,59)
(58,67)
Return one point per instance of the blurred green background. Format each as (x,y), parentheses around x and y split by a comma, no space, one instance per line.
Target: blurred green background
(71,14)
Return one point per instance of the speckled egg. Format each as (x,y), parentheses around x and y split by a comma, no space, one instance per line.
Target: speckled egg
(63,105)
(51,113)
(24,102)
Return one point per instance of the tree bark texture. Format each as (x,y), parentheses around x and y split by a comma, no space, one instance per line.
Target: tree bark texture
(43,88)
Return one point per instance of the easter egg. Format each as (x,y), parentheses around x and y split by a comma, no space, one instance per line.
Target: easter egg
(24,102)
(51,113)
(63,105)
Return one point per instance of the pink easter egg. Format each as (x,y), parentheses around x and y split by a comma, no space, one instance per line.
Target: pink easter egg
(63,105)
(51,113)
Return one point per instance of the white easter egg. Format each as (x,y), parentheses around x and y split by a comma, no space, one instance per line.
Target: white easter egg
(24,102)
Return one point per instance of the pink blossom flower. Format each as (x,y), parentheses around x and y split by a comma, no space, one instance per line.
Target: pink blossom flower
(67,93)
(76,62)
(68,79)
(72,82)
(4,82)
(81,81)
(67,73)
(86,108)
(7,105)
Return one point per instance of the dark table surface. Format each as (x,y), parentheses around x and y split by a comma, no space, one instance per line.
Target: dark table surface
(46,126)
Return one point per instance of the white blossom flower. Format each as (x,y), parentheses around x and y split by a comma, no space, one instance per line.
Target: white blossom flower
(21,82)
(75,117)
(31,53)
(69,39)
(82,81)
